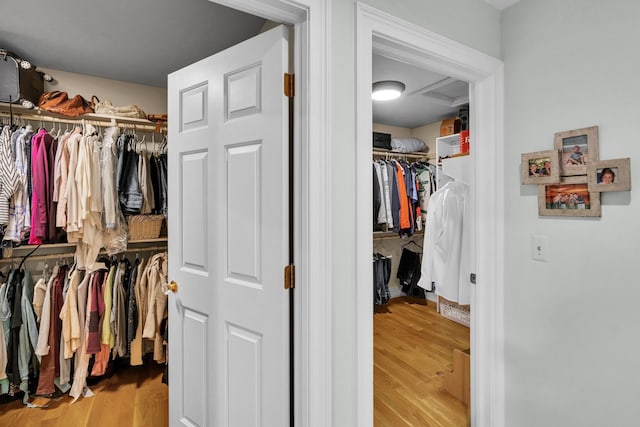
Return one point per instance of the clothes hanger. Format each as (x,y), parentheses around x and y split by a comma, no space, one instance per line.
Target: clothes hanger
(44,271)
(53,127)
(410,242)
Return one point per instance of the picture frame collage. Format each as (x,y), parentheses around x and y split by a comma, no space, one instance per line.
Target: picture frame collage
(570,177)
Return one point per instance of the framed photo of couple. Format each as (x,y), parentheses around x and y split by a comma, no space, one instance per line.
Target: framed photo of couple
(541,167)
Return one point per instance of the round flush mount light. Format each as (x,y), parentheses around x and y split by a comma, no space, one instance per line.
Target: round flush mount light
(387,90)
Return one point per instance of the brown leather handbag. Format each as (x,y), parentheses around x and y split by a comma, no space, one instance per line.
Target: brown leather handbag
(59,102)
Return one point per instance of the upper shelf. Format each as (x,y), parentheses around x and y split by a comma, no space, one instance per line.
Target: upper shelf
(37,113)
(393,154)
(73,245)
(452,140)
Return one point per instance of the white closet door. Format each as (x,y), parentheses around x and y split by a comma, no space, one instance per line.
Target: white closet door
(228,237)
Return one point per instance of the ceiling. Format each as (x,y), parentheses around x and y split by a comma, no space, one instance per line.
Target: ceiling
(428,97)
(142,41)
(137,41)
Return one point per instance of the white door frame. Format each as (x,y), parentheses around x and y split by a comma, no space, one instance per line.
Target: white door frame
(312,315)
(380,32)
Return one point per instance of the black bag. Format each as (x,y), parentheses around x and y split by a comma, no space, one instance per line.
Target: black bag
(19,81)
(382,140)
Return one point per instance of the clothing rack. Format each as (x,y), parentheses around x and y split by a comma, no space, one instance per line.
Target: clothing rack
(382,154)
(381,235)
(64,255)
(38,115)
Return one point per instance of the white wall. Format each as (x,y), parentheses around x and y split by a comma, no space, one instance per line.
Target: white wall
(395,131)
(572,324)
(472,22)
(152,99)
(428,133)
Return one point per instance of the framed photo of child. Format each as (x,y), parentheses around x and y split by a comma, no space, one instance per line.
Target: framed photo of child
(570,197)
(540,167)
(579,148)
(609,175)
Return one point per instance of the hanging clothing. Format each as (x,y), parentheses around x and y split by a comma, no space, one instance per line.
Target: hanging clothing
(42,187)
(50,364)
(377,199)
(28,335)
(69,316)
(409,273)
(95,312)
(4,338)
(426,180)
(132,306)
(384,172)
(118,312)
(381,276)
(20,205)
(159,183)
(39,292)
(380,217)
(141,295)
(82,357)
(4,382)
(108,160)
(9,179)
(68,209)
(146,189)
(156,274)
(129,194)
(446,259)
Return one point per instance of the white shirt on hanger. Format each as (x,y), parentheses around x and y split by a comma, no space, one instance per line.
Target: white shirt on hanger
(447,254)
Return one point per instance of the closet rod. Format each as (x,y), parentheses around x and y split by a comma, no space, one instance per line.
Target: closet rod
(92,120)
(64,255)
(395,155)
(392,235)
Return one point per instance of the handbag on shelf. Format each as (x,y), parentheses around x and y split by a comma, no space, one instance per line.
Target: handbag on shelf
(108,109)
(157,117)
(60,103)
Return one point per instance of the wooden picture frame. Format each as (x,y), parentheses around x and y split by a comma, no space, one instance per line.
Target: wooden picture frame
(569,197)
(609,175)
(579,148)
(540,167)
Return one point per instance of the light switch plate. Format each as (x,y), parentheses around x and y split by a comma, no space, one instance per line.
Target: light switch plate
(539,247)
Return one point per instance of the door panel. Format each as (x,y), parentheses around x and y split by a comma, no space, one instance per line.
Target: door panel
(244,169)
(228,237)
(194,179)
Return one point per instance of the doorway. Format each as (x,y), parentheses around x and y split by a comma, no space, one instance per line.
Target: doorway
(381,33)
(417,336)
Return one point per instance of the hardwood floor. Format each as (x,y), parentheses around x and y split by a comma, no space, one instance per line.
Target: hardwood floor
(413,345)
(133,396)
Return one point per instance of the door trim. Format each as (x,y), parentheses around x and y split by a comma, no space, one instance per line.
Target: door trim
(377,31)
(312,311)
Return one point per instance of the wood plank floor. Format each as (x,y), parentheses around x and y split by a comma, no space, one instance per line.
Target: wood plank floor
(133,396)
(413,345)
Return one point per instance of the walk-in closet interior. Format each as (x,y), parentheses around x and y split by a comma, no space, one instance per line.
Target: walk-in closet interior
(83,203)
(422,187)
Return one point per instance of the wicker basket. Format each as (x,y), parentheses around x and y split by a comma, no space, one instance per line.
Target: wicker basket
(452,311)
(144,226)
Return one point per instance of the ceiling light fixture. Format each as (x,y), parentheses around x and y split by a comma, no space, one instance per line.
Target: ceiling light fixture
(387,90)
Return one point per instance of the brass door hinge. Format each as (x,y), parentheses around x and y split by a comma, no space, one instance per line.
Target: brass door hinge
(290,276)
(289,85)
